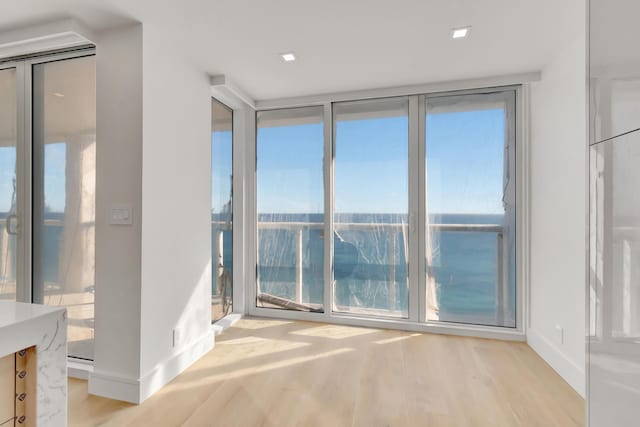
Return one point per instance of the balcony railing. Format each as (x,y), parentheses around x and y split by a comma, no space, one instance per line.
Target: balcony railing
(391,230)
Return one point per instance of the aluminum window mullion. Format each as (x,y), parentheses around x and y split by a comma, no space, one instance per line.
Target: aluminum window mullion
(422,214)
(521,146)
(27,183)
(415,241)
(239,134)
(252,217)
(23,186)
(328,166)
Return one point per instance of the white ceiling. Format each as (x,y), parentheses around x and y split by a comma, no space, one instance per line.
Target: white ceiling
(340,44)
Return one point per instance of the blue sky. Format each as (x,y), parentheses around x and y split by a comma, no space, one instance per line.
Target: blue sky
(55,163)
(290,176)
(7,172)
(371,166)
(464,165)
(54,176)
(221,169)
(465,161)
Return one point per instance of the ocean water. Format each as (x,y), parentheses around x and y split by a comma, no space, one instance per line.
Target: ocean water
(52,241)
(464,265)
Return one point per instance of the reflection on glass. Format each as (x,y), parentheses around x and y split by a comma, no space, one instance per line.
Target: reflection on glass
(371,207)
(614,345)
(290,197)
(221,209)
(64,176)
(470,202)
(8,220)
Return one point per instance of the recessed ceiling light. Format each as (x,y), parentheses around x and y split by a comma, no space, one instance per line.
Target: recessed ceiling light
(58,94)
(288,57)
(460,33)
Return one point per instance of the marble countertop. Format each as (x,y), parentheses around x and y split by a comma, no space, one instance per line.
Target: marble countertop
(13,313)
(21,322)
(27,325)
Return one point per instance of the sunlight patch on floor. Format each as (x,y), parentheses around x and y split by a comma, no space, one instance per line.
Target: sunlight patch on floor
(396,339)
(333,332)
(252,370)
(263,323)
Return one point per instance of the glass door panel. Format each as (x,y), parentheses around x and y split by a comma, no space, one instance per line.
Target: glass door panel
(290,207)
(221,209)
(64,179)
(371,207)
(8,181)
(470,209)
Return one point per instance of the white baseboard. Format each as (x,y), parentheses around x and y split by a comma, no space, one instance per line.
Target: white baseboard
(79,368)
(165,372)
(226,322)
(114,387)
(138,390)
(571,372)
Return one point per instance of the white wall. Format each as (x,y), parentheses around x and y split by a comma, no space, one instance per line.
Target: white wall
(558,160)
(118,181)
(154,154)
(176,222)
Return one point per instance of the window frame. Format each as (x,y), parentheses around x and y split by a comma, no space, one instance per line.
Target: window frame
(253,291)
(511,96)
(417,134)
(411,207)
(233,250)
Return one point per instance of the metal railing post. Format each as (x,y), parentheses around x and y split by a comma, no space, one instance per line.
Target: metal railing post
(299,265)
(392,269)
(499,279)
(219,259)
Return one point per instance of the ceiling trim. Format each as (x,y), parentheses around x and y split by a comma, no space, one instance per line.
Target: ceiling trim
(427,88)
(227,92)
(63,34)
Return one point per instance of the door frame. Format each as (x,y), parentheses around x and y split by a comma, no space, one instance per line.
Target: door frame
(23,184)
(24,162)
(243,131)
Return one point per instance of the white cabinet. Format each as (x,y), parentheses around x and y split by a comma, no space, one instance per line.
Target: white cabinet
(614,67)
(614,285)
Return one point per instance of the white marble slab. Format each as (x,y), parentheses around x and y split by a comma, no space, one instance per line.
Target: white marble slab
(25,325)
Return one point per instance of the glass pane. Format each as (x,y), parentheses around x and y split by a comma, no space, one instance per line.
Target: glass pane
(470,205)
(64,180)
(614,344)
(371,207)
(290,196)
(221,209)
(8,144)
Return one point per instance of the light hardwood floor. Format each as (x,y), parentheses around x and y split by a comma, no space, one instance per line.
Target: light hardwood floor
(288,373)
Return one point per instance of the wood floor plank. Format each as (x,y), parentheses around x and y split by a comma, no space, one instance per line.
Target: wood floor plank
(286,373)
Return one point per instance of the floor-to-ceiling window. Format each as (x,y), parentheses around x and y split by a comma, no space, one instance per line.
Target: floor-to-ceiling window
(404,210)
(8,145)
(47,187)
(290,209)
(221,209)
(371,185)
(470,209)
(63,193)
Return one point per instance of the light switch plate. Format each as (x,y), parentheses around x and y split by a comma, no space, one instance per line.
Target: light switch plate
(560,334)
(121,215)
(177,337)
